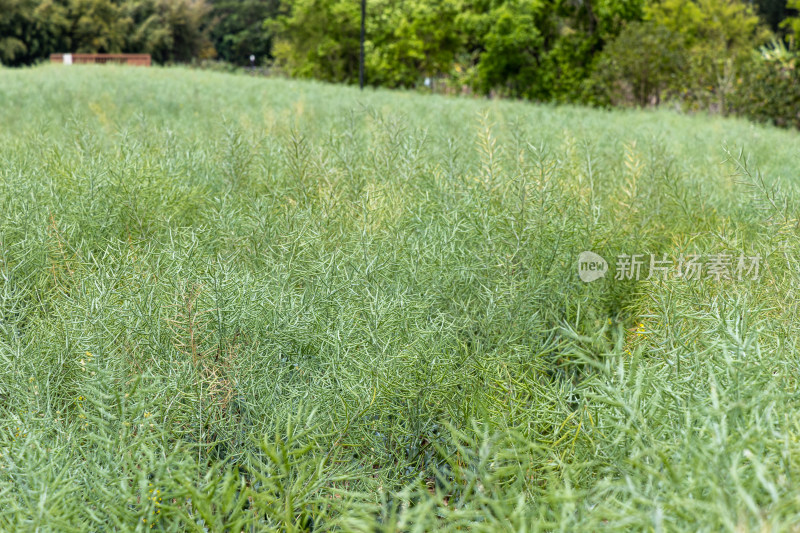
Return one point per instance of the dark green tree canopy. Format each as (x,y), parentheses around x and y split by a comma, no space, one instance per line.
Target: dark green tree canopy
(238,29)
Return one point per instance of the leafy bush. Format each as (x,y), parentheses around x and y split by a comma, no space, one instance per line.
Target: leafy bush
(643,78)
(768,89)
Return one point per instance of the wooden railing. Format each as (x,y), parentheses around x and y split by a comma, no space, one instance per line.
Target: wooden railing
(125,59)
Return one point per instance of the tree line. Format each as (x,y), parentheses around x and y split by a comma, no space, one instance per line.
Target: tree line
(728,56)
(172,31)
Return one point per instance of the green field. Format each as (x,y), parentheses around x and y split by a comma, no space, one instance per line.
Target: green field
(231,302)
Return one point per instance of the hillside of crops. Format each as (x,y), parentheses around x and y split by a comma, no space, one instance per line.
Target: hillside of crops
(232,303)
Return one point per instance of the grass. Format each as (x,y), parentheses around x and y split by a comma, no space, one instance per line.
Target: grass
(232,303)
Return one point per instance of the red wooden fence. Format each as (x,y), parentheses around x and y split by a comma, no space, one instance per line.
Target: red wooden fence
(125,59)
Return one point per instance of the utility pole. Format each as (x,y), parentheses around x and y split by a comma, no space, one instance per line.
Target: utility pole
(361,55)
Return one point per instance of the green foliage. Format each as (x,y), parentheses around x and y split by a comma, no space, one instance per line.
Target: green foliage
(792,24)
(768,89)
(521,48)
(318,39)
(170,30)
(774,12)
(580,33)
(512,45)
(623,78)
(410,40)
(725,25)
(29,30)
(720,36)
(238,29)
(14,16)
(95,26)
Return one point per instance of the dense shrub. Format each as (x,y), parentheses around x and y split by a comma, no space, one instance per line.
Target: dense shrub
(768,89)
(642,78)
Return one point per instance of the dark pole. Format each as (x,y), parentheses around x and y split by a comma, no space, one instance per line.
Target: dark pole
(361,55)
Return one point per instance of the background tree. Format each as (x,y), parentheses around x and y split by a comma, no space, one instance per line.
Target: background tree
(170,30)
(16,22)
(539,49)
(582,29)
(773,12)
(642,78)
(509,40)
(720,36)
(792,24)
(238,29)
(31,30)
(317,39)
(410,40)
(96,26)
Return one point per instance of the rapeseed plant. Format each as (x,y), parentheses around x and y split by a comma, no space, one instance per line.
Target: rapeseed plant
(228,315)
